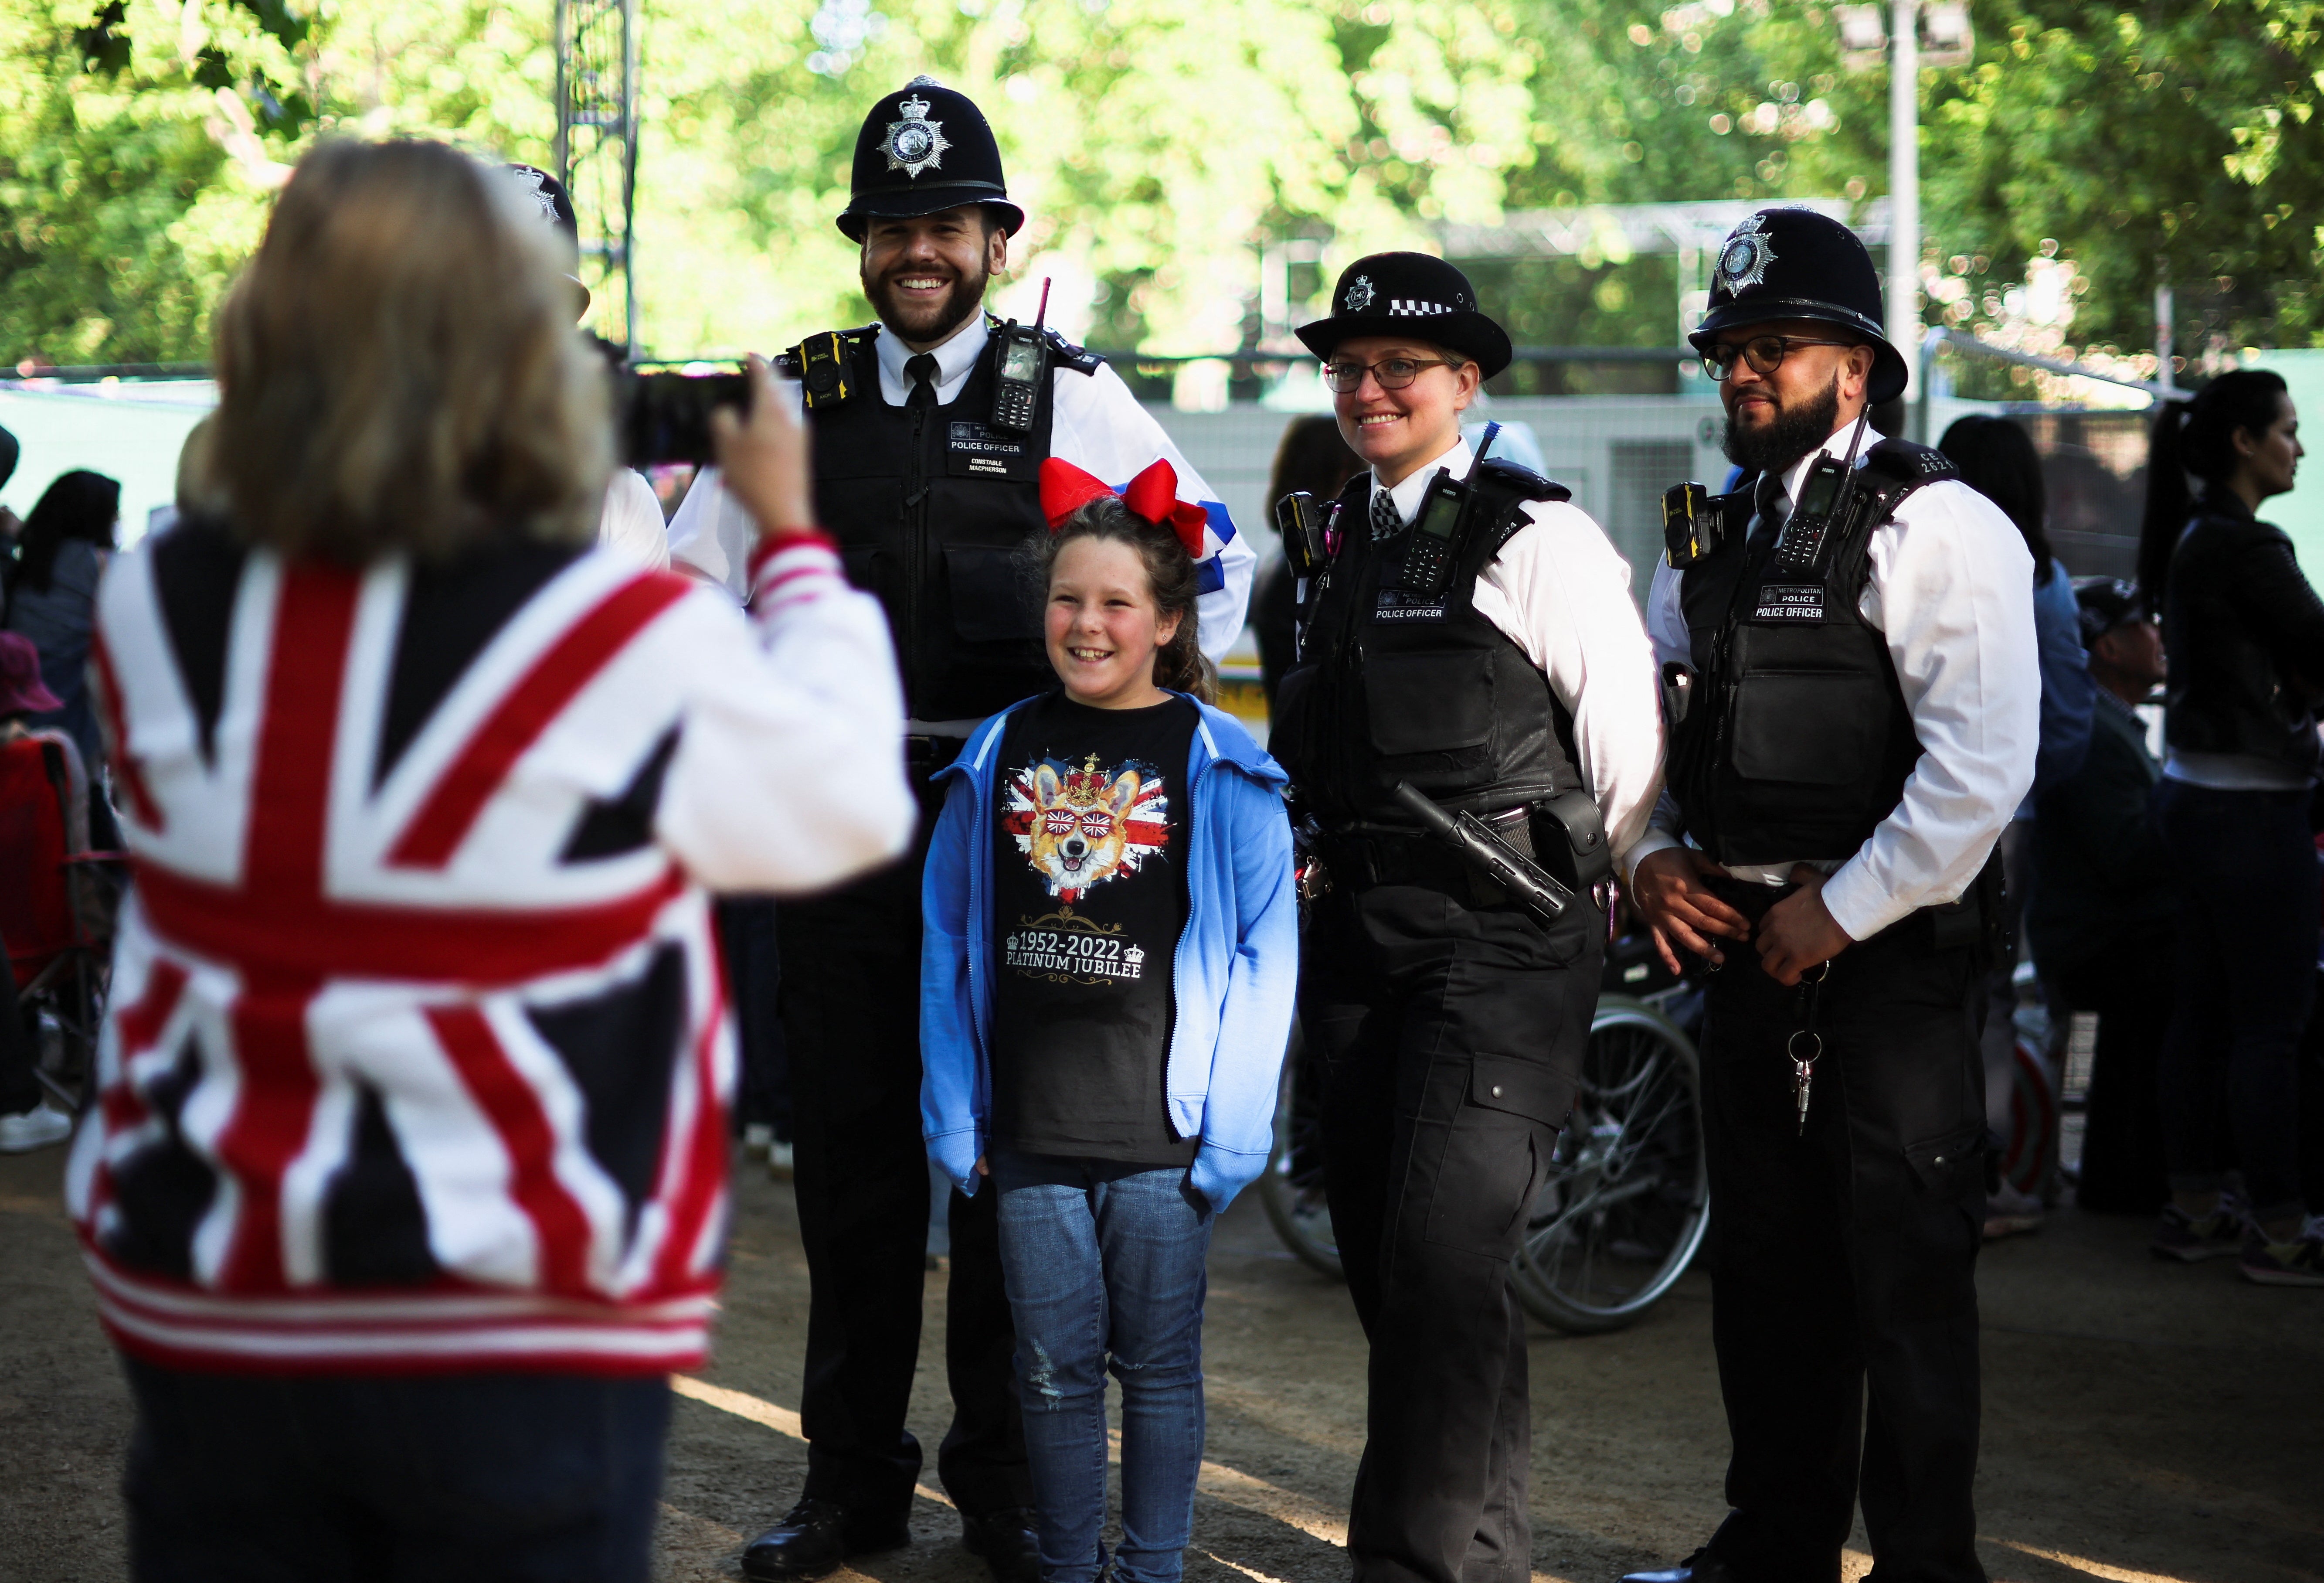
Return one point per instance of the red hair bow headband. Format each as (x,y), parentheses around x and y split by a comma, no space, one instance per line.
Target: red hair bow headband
(1152,496)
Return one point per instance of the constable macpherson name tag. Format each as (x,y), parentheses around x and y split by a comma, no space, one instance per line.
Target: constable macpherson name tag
(975,448)
(1790,602)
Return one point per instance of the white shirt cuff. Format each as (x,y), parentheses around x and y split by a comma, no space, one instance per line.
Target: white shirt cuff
(1655,839)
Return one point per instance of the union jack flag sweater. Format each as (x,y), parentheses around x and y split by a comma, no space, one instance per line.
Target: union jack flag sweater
(418,1055)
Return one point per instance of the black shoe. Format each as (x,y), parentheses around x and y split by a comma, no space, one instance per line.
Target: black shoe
(1702,1567)
(1007,1542)
(814,1538)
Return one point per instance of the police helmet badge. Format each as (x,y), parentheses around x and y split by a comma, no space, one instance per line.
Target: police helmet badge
(529,180)
(1743,261)
(915,143)
(1359,295)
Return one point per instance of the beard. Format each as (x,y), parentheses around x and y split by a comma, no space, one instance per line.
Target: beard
(928,322)
(1791,434)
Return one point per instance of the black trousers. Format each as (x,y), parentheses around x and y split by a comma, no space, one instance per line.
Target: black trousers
(393,1479)
(2130,986)
(851,967)
(1846,1259)
(1449,1037)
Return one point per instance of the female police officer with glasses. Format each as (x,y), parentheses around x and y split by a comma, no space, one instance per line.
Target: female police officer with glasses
(1498,671)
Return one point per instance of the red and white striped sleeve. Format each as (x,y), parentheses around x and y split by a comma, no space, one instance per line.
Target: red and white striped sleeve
(789,773)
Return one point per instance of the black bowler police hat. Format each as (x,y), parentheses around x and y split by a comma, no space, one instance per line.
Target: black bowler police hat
(924,149)
(1796,264)
(1409,294)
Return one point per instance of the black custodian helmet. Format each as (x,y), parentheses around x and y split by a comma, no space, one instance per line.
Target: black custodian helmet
(1414,294)
(924,149)
(1797,263)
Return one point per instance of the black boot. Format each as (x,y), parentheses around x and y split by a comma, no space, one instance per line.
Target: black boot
(1702,1567)
(1007,1542)
(814,1538)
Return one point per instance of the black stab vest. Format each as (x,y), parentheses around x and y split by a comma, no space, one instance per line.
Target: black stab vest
(930,507)
(1798,742)
(1389,689)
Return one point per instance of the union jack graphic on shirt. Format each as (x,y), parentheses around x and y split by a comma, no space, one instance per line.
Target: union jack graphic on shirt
(418,1054)
(1080,828)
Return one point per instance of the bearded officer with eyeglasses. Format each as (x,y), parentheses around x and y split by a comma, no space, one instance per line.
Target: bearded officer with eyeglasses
(929,430)
(1852,633)
(1501,672)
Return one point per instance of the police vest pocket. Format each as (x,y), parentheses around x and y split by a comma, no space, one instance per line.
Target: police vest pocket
(858,561)
(1810,728)
(991,601)
(1429,703)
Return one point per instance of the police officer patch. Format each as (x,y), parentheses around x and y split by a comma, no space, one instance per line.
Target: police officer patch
(1359,295)
(1743,261)
(915,143)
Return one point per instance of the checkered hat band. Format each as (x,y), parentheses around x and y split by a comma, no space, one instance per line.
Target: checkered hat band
(1414,306)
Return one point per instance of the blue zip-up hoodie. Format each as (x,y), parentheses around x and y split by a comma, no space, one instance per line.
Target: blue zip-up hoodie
(1236,970)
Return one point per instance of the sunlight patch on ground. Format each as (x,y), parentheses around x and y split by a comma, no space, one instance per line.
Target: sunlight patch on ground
(781,1420)
(2086,1565)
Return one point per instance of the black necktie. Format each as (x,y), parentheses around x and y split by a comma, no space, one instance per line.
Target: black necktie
(1772,507)
(922,367)
(1387,521)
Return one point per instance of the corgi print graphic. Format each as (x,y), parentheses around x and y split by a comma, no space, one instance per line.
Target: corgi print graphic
(1080,828)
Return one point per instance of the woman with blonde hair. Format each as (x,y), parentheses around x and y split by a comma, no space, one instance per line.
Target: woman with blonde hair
(406,1186)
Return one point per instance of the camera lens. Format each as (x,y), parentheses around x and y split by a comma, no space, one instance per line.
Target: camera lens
(820,377)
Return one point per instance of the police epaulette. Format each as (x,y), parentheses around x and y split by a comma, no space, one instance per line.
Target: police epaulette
(1065,354)
(1904,461)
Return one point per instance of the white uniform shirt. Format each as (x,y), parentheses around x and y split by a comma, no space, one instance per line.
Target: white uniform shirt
(1558,591)
(1095,424)
(631,520)
(1951,589)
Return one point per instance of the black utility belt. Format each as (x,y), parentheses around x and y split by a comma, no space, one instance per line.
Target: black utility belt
(1362,858)
(1948,926)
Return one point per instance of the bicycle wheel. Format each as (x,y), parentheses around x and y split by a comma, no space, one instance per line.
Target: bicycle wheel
(1292,1190)
(1628,1196)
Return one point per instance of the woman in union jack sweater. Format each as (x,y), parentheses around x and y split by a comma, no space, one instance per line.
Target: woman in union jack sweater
(406,1185)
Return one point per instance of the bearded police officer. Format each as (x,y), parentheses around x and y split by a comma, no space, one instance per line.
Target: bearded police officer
(1468,646)
(1852,633)
(929,430)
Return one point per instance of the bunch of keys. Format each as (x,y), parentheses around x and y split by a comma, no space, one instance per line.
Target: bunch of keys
(1803,1067)
(1804,1071)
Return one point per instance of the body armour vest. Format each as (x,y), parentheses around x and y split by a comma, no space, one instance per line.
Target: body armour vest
(1800,742)
(1392,687)
(931,506)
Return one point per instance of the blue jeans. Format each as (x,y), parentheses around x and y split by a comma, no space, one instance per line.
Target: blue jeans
(2247,871)
(489,1477)
(1104,1263)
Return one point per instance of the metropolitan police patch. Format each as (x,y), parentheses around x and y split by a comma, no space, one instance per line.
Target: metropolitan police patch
(915,143)
(1359,295)
(1743,261)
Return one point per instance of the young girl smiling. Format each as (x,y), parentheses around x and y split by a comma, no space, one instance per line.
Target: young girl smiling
(1110,956)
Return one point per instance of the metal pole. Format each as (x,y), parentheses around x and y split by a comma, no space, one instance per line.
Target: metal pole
(1905,175)
(561,155)
(630,173)
(2162,317)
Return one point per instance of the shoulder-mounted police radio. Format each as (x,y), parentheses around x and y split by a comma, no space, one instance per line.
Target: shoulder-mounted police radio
(1694,520)
(1452,512)
(1017,380)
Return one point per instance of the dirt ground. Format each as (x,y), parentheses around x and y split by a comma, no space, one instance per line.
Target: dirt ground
(2142,1421)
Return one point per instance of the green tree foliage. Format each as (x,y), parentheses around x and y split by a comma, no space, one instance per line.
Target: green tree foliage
(1159,147)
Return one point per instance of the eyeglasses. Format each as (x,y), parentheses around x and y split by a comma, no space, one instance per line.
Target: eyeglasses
(1344,375)
(1765,354)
